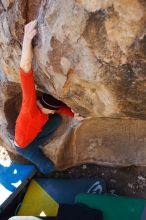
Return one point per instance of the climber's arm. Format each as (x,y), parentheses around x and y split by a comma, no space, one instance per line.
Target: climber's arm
(27,53)
(26,69)
(69,112)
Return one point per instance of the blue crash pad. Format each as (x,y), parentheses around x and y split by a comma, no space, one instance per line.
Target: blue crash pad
(12,180)
(49,193)
(65,190)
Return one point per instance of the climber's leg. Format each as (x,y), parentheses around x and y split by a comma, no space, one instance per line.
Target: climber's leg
(49,128)
(32,151)
(36,156)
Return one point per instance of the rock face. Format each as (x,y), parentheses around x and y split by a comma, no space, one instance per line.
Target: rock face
(105,141)
(91,55)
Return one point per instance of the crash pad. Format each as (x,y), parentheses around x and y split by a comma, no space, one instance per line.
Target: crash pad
(114,207)
(37,202)
(49,193)
(65,190)
(13,178)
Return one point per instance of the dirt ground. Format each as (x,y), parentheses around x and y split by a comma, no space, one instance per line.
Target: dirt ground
(128,181)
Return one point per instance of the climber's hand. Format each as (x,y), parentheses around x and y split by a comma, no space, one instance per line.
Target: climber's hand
(78,117)
(27,53)
(30,31)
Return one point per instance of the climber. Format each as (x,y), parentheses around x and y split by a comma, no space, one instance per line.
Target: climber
(38,118)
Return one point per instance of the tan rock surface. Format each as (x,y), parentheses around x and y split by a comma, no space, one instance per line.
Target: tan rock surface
(90,54)
(104,141)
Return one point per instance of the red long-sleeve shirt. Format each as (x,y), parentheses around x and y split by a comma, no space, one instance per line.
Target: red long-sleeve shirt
(31,119)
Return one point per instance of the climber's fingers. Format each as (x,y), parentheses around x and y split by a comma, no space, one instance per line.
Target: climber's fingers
(79,118)
(30,30)
(30,26)
(32,34)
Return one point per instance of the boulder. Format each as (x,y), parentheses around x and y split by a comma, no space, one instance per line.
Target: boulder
(104,141)
(89,54)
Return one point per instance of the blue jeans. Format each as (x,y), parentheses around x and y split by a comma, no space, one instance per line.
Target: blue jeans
(33,152)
